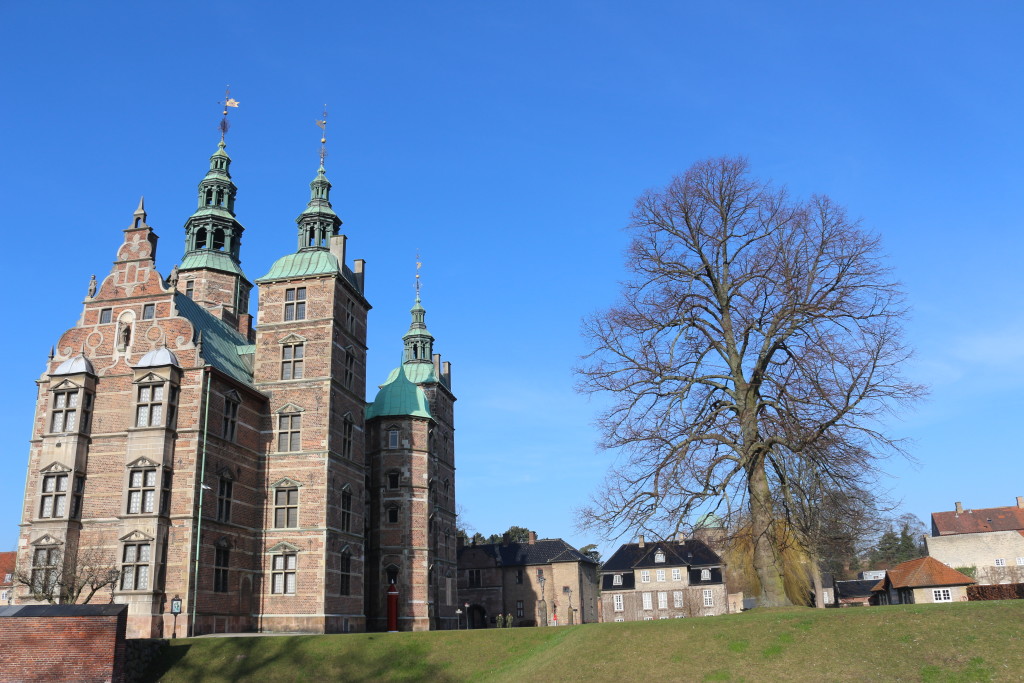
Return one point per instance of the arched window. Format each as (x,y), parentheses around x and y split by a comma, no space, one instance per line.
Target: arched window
(201,238)
(218,239)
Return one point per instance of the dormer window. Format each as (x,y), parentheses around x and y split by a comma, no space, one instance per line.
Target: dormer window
(65,411)
(617,580)
(659,557)
(705,574)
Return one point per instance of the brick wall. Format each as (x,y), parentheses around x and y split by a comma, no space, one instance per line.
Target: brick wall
(63,643)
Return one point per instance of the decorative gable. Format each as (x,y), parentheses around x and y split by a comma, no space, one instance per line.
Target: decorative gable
(66,385)
(135,536)
(55,468)
(284,547)
(286,483)
(232,395)
(290,408)
(291,339)
(150,377)
(47,539)
(142,462)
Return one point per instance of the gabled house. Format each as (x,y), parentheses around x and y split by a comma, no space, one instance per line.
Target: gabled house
(991,540)
(542,582)
(923,580)
(661,580)
(7,561)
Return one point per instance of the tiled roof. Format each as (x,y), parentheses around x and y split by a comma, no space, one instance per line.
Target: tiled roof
(544,551)
(691,552)
(222,344)
(7,567)
(855,589)
(978,521)
(923,572)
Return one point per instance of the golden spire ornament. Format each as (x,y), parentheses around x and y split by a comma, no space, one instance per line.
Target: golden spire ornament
(228,102)
(322,124)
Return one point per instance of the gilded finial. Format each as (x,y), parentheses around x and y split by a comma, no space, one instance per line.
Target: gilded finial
(419,264)
(322,124)
(228,102)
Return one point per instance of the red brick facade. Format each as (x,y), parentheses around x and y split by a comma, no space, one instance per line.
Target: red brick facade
(163,401)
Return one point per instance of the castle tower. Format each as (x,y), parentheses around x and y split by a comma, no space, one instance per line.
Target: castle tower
(311,364)
(410,451)
(210,272)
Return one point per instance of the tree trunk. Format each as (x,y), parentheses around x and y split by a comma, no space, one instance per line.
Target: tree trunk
(819,592)
(767,563)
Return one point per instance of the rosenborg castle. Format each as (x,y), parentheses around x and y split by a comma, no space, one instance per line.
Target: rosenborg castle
(240,472)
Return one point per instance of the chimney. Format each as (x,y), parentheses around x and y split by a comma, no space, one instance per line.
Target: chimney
(337,247)
(960,507)
(1020,501)
(360,273)
(461,542)
(533,538)
(681,537)
(641,541)
(504,538)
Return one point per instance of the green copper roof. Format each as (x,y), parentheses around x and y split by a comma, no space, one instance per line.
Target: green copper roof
(709,521)
(222,344)
(303,263)
(399,397)
(212,259)
(418,373)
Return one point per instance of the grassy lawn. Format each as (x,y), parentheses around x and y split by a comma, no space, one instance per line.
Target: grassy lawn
(977,641)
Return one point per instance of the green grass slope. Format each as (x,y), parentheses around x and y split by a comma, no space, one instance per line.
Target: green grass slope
(978,641)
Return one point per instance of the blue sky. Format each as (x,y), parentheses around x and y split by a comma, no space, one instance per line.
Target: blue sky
(507,141)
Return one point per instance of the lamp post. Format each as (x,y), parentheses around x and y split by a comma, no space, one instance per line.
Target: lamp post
(542,606)
(466,605)
(458,619)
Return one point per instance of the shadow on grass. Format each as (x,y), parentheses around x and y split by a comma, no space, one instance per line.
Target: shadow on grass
(291,658)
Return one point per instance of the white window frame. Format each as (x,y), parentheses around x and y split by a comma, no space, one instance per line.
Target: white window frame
(709,597)
(662,599)
(619,619)
(1020,561)
(645,576)
(1000,562)
(705,574)
(677,574)
(617,602)
(659,575)
(648,602)
(659,557)
(283,571)
(677,599)
(617,580)
(942,595)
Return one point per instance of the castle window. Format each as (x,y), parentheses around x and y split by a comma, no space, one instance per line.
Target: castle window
(190,288)
(519,608)
(230,419)
(350,364)
(289,428)
(295,303)
(141,490)
(346,510)
(76,497)
(291,361)
(148,311)
(150,410)
(201,238)
(474,578)
(53,502)
(345,575)
(392,513)
(393,438)
(282,577)
(218,239)
(709,598)
(346,436)
(65,411)
(286,508)
(617,602)
(705,574)
(224,490)
(393,479)
(519,578)
(135,567)
(221,561)
(105,315)
(165,496)
(45,573)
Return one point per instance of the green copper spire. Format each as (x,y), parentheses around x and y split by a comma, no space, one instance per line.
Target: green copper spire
(419,344)
(213,238)
(318,223)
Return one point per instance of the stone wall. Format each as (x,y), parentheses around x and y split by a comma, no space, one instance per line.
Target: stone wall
(982,551)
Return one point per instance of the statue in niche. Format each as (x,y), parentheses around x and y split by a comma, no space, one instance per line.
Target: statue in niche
(92,286)
(124,336)
(172,279)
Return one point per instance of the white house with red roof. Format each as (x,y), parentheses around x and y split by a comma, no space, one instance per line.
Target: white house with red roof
(991,540)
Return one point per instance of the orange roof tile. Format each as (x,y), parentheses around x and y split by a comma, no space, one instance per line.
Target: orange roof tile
(1009,518)
(7,567)
(922,572)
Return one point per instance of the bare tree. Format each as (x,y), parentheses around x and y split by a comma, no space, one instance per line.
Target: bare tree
(59,575)
(752,323)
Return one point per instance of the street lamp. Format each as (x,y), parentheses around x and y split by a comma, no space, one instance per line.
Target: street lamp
(466,605)
(458,619)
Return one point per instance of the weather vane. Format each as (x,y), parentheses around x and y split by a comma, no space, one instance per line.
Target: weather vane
(322,123)
(228,102)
